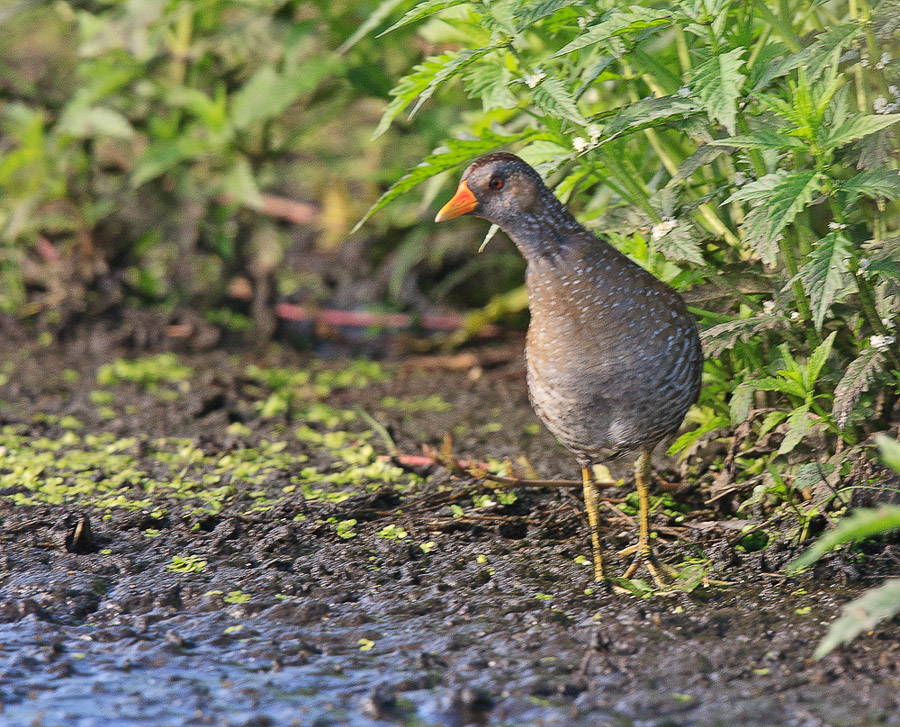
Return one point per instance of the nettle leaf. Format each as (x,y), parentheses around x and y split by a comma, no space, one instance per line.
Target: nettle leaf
(451,67)
(534,11)
(862,614)
(423,81)
(647,113)
(783,195)
(763,139)
(704,156)
(814,58)
(859,377)
(681,243)
(798,425)
(857,127)
(490,82)
(723,336)
(812,473)
(552,96)
(785,386)
(884,183)
(717,84)
(816,361)
(616,24)
(741,401)
(422,10)
(874,149)
(447,157)
(826,273)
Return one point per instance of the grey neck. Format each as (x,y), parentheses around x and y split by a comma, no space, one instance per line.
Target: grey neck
(546,234)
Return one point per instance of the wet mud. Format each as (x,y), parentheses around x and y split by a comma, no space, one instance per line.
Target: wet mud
(220,538)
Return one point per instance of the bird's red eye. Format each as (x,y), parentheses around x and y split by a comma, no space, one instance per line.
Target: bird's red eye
(496,183)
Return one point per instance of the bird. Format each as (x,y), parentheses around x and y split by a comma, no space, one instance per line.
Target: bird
(613,357)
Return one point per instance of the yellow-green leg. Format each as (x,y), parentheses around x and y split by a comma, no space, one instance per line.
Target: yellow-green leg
(644,550)
(592,504)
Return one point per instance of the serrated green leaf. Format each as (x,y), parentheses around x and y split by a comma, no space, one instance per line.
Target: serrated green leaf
(763,139)
(859,525)
(647,113)
(681,243)
(688,438)
(407,90)
(539,9)
(422,10)
(857,127)
(423,81)
(814,58)
(741,401)
(723,336)
(883,183)
(826,273)
(770,421)
(453,154)
(490,82)
(812,473)
(784,195)
(862,372)
(817,360)
(717,84)
(450,68)
(785,386)
(617,23)
(369,24)
(552,97)
(862,614)
(798,426)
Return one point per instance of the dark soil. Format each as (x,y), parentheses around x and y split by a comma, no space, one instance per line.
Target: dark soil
(495,621)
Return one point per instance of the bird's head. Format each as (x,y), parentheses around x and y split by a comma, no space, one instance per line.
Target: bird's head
(500,188)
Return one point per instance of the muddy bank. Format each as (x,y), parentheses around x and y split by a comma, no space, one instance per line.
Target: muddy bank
(219,539)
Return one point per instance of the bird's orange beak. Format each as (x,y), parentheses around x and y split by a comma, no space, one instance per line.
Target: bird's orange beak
(461,203)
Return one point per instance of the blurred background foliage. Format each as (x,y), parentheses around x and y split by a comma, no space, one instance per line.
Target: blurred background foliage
(215,154)
(159,153)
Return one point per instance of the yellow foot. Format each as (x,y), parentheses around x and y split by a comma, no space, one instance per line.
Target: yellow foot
(663,576)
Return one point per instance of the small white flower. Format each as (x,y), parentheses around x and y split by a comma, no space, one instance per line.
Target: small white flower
(768,307)
(836,226)
(594,132)
(887,322)
(663,228)
(795,315)
(684,92)
(883,61)
(882,343)
(740,178)
(880,105)
(533,79)
(580,144)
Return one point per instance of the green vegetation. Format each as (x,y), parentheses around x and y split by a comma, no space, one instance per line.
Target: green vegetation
(742,152)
